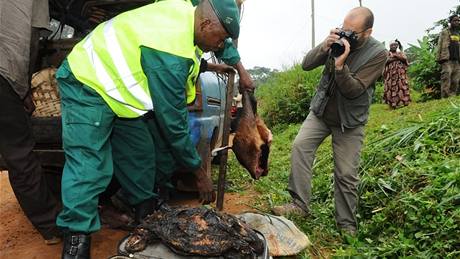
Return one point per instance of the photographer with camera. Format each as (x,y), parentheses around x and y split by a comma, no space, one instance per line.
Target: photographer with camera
(353,62)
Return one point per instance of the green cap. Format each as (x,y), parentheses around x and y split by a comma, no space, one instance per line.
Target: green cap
(229,16)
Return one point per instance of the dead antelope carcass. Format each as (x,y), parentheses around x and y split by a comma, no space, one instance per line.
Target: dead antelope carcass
(251,144)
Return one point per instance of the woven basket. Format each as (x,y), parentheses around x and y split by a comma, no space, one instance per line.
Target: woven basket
(45,93)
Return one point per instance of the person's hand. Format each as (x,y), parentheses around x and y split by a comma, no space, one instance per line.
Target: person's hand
(29,105)
(340,60)
(245,82)
(205,187)
(219,68)
(331,38)
(224,68)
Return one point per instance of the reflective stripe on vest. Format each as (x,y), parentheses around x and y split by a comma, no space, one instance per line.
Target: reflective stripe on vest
(104,77)
(193,76)
(109,59)
(123,69)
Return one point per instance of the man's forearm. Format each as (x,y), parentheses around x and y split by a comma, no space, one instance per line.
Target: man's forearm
(348,85)
(353,85)
(245,78)
(314,58)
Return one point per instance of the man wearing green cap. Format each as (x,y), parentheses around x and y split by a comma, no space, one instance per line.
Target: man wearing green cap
(166,164)
(230,56)
(139,62)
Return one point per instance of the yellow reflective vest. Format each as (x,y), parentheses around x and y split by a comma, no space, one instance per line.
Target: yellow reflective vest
(109,59)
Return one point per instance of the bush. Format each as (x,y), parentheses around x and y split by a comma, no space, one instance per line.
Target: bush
(378,93)
(424,72)
(285,97)
(410,189)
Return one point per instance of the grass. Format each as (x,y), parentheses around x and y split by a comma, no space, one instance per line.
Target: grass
(410,176)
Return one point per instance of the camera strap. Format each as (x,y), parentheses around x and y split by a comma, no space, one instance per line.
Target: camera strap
(330,68)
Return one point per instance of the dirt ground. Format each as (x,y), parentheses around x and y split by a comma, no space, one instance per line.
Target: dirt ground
(18,238)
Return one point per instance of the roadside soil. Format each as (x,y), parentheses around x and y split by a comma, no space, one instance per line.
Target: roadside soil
(19,239)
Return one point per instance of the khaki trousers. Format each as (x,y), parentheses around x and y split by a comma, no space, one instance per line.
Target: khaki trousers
(346,148)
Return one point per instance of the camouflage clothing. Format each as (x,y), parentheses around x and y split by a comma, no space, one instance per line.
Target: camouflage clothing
(448,57)
(396,82)
(450,77)
(446,39)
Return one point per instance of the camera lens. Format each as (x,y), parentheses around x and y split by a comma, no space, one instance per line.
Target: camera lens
(337,48)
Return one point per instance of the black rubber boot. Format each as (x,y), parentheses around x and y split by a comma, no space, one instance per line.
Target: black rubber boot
(144,209)
(76,246)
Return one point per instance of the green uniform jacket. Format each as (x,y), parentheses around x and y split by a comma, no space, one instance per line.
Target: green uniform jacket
(166,75)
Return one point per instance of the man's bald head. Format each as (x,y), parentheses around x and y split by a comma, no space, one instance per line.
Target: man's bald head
(209,32)
(362,15)
(204,11)
(360,20)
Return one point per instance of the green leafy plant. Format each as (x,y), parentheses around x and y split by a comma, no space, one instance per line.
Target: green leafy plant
(443,23)
(409,196)
(424,72)
(285,97)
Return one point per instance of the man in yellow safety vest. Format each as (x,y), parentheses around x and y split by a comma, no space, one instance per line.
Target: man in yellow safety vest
(137,62)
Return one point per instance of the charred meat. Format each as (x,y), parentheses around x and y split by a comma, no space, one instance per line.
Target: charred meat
(196,231)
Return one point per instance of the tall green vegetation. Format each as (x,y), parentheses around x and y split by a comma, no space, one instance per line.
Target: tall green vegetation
(261,74)
(423,71)
(410,189)
(443,23)
(285,97)
(409,196)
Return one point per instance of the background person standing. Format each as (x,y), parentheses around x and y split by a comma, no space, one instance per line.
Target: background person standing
(396,92)
(20,24)
(449,57)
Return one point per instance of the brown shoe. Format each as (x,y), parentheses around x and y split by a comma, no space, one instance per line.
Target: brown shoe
(289,209)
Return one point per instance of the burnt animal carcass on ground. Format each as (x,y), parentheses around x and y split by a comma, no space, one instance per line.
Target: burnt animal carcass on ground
(196,231)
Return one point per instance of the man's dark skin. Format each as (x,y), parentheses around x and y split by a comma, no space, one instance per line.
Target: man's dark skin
(393,47)
(455,24)
(393,54)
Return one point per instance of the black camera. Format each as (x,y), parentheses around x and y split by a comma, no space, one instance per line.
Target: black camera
(337,48)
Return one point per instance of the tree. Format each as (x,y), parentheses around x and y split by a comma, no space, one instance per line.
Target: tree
(443,23)
(261,74)
(424,72)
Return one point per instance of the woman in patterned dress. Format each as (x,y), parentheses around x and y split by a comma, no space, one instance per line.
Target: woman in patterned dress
(395,74)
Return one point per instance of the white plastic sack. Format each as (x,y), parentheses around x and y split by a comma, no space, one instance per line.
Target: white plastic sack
(283,237)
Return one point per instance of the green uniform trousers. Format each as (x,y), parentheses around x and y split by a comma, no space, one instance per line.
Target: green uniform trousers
(160,170)
(90,132)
